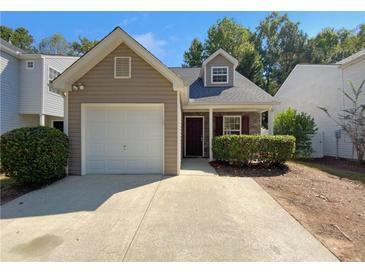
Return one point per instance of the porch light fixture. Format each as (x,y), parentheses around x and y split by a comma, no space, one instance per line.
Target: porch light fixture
(78,86)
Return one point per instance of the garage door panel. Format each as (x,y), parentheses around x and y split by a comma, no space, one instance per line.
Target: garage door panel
(124,139)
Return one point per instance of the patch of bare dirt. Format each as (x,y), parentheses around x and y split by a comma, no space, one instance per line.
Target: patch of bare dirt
(340,163)
(332,209)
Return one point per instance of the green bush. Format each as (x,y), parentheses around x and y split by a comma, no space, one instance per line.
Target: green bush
(266,150)
(299,125)
(34,155)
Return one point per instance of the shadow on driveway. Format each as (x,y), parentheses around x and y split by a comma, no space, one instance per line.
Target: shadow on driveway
(74,193)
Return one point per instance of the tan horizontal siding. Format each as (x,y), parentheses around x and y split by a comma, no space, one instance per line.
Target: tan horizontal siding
(145,86)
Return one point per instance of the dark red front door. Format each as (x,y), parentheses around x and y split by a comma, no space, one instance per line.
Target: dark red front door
(194,136)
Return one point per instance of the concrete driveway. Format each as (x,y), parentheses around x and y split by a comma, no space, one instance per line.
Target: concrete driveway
(153,218)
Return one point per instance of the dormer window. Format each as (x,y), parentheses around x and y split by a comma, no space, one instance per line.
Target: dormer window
(220,75)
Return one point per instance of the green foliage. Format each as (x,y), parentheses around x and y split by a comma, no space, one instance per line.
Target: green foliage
(233,38)
(6,33)
(281,45)
(194,57)
(55,44)
(299,125)
(237,41)
(34,155)
(83,45)
(266,150)
(330,45)
(20,37)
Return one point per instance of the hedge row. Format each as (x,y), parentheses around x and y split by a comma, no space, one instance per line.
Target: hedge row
(254,149)
(34,155)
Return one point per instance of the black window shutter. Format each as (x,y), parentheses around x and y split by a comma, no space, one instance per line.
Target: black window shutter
(218,126)
(245,127)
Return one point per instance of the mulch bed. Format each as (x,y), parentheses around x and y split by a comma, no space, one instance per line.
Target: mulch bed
(331,208)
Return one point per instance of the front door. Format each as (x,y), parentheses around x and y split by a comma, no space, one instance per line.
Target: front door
(194,137)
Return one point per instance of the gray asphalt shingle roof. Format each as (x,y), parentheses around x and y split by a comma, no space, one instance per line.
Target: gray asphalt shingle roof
(244,91)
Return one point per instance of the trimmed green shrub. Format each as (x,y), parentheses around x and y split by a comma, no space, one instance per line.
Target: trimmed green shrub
(34,155)
(266,150)
(300,125)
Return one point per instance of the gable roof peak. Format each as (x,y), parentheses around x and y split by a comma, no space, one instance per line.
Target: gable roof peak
(225,54)
(105,46)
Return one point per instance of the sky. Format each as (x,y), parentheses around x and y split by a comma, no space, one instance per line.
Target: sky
(165,34)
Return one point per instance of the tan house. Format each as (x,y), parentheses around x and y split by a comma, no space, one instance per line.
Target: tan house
(127,113)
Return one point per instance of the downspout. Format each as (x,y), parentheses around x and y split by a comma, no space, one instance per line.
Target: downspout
(42,117)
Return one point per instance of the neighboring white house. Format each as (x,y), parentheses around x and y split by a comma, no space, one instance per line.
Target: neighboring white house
(311,86)
(26,98)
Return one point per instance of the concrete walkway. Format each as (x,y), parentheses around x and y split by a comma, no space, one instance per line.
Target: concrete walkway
(196,166)
(153,218)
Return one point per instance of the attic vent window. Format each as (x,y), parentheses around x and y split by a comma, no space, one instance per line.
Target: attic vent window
(29,64)
(220,75)
(122,67)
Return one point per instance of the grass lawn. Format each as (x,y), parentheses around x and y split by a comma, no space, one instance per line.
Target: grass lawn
(341,173)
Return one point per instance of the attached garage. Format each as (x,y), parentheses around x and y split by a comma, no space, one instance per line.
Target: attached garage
(122,139)
(122,110)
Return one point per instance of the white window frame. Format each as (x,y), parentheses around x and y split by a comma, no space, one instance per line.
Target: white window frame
(130,67)
(49,88)
(218,67)
(232,116)
(29,62)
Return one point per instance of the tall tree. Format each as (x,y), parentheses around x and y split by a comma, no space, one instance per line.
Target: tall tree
(330,45)
(20,37)
(194,56)
(83,45)
(6,33)
(55,44)
(237,41)
(281,45)
(322,48)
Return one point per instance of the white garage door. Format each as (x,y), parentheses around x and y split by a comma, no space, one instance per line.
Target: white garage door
(123,139)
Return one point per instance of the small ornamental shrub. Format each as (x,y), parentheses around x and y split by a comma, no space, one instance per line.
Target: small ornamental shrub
(300,125)
(34,155)
(266,150)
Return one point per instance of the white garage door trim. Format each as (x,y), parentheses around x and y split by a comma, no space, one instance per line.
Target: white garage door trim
(83,128)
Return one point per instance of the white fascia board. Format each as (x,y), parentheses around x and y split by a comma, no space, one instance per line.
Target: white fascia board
(100,51)
(232,107)
(225,54)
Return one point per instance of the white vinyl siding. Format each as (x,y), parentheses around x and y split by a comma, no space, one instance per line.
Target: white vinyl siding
(231,125)
(122,67)
(53,102)
(31,87)
(52,74)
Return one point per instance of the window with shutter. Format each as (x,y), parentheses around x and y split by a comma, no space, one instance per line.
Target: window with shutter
(122,67)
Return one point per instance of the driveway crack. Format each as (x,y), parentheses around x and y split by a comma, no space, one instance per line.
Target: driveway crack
(140,223)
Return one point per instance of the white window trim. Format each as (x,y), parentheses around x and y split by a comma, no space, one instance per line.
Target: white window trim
(29,61)
(232,116)
(130,67)
(211,75)
(49,88)
(193,116)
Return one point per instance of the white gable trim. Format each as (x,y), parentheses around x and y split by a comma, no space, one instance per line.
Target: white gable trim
(105,47)
(225,54)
